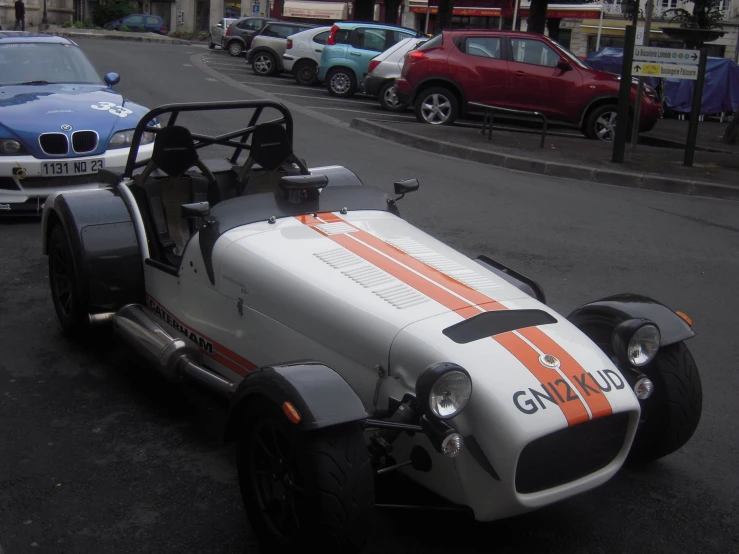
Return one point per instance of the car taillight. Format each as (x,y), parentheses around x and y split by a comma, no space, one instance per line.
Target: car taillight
(163,29)
(289,43)
(228,32)
(373,64)
(332,37)
(415,55)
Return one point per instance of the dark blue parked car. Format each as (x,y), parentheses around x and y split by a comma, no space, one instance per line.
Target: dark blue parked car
(134,22)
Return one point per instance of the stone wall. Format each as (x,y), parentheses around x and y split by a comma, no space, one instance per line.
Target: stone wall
(57,11)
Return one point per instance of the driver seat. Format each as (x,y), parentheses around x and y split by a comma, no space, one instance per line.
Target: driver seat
(174,154)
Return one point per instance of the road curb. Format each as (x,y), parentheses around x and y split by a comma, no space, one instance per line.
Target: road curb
(630,179)
(132,37)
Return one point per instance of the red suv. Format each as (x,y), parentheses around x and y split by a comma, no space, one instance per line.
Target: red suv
(514,70)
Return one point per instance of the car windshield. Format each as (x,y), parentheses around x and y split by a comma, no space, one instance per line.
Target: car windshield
(39,63)
(572,56)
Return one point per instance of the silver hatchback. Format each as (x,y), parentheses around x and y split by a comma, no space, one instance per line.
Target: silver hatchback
(268,46)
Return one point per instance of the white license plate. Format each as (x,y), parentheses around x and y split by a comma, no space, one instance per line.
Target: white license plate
(82,167)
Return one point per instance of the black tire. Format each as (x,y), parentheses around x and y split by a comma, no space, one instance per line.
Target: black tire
(601,123)
(341,82)
(324,481)
(444,100)
(235,48)
(211,44)
(305,73)
(68,292)
(389,100)
(672,413)
(264,64)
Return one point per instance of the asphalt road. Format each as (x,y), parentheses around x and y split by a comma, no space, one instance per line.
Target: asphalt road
(97,455)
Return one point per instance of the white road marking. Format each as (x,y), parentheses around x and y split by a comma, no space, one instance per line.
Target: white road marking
(187,65)
(293,87)
(378,113)
(209,79)
(329,99)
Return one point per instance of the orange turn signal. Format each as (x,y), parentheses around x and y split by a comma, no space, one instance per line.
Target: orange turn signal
(291,413)
(686,318)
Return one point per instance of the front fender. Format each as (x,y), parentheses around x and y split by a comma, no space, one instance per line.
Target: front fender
(320,395)
(613,310)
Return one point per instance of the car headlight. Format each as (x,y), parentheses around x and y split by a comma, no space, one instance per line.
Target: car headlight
(123,139)
(9,147)
(636,341)
(444,389)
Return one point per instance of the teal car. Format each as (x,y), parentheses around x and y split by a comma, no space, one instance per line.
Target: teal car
(350,48)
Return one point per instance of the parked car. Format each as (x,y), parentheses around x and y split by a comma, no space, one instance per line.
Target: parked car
(240,34)
(139,22)
(303,52)
(60,123)
(269,44)
(218,31)
(384,69)
(518,71)
(350,48)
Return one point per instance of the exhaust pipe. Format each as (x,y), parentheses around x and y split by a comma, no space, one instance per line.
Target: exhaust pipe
(173,356)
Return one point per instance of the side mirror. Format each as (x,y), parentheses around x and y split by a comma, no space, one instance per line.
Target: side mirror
(405,186)
(112,79)
(219,25)
(196,209)
(564,65)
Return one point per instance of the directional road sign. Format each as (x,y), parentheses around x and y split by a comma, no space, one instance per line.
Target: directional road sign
(662,55)
(664,70)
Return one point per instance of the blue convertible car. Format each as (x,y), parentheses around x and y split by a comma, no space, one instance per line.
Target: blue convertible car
(59,121)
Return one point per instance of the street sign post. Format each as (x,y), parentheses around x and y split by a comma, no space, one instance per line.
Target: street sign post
(664,70)
(624,97)
(664,55)
(695,109)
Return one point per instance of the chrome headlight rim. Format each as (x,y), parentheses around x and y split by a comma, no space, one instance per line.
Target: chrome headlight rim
(7,143)
(626,337)
(127,138)
(429,378)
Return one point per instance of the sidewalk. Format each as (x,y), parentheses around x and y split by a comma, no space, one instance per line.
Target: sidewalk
(73,33)
(713,174)
(674,133)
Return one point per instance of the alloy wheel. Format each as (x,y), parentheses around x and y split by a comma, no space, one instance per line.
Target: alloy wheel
(391,99)
(436,109)
(263,64)
(275,480)
(605,126)
(234,48)
(340,83)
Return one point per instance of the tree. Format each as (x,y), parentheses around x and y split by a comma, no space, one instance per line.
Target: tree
(707,14)
(110,11)
(444,16)
(538,20)
(391,11)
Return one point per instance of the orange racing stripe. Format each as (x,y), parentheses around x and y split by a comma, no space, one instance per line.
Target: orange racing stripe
(597,401)
(573,410)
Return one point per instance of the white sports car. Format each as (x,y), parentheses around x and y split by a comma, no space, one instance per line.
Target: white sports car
(349,343)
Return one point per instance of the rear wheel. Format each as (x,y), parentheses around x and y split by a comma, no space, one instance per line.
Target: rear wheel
(305,490)
(342,82)
(211,44)
(235,48)
(437,106)
(264,64)
(305,73)
(67,291)
(389,100)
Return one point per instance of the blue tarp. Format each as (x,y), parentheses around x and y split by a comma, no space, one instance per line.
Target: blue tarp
(720,92)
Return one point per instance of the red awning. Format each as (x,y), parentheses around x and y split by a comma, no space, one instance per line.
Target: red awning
(473,11)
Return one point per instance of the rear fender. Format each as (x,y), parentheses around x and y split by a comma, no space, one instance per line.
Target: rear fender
(614,310)
(104,245)
(320,395)
(529,286)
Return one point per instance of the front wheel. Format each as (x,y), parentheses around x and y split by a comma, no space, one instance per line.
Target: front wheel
(342,82)
(601,123)
(437,106)
(235,48)
(263,64)
(211,44)
(672,413)
(389,100)
(305,490)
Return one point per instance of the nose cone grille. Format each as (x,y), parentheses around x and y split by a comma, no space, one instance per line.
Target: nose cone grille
(84,141)
(54,144)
